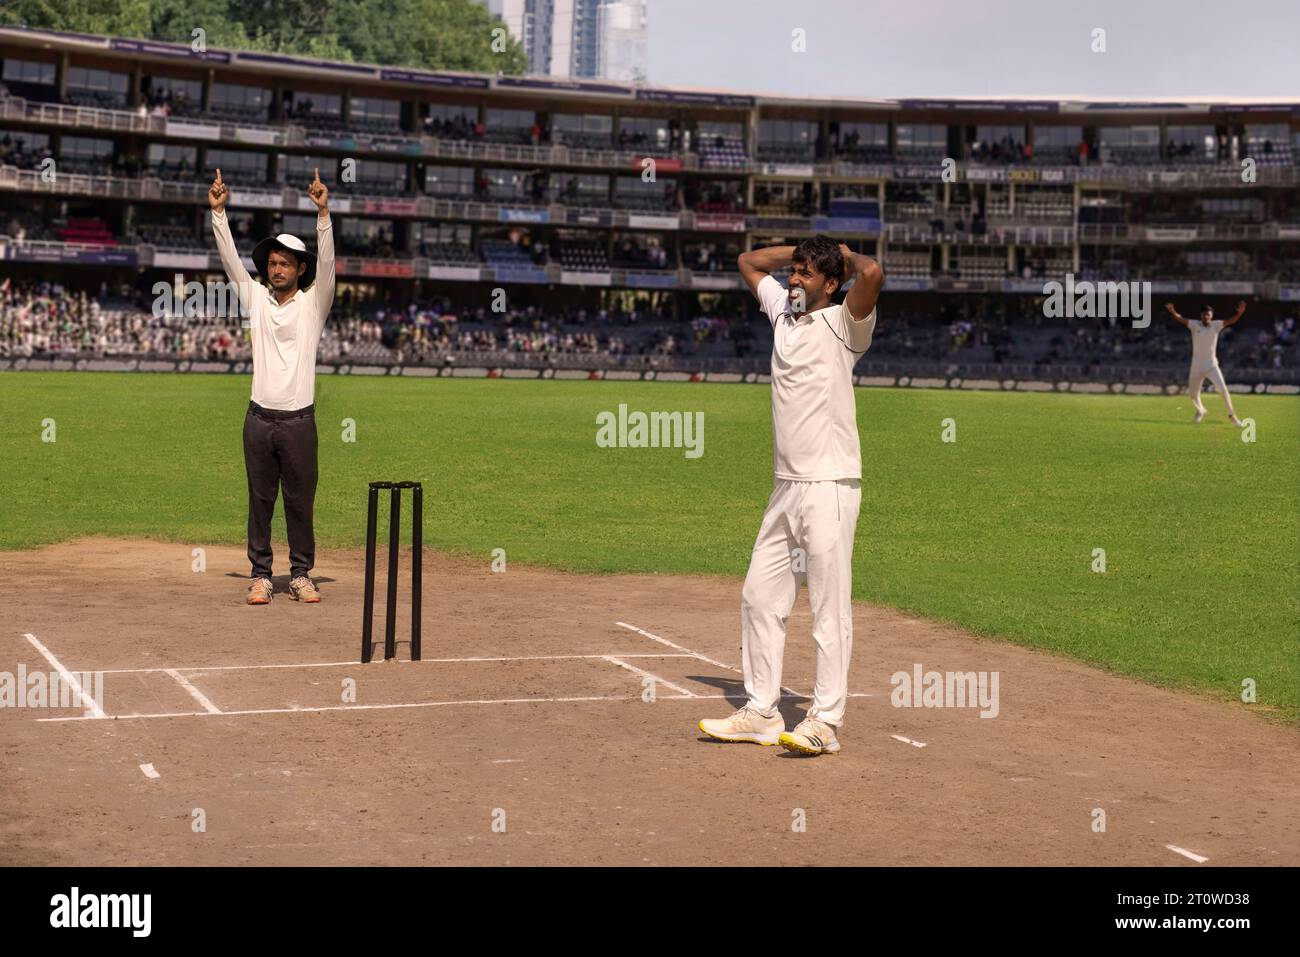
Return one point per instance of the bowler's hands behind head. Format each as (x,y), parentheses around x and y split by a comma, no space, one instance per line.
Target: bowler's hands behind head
(318,192)
(218,193)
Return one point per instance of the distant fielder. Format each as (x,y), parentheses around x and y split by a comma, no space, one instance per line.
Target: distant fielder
(1205,360)
(812,514)
(280,445)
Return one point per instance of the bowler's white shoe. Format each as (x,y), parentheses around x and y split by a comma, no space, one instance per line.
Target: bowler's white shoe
(811,736)
(1235,421)
(745,725)
(1198,417)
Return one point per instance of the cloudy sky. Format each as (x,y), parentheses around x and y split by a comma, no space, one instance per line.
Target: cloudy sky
(866,48)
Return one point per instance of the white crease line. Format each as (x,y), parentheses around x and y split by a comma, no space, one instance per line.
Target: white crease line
(413,704)
(1186,853)
(90,703)
(695,654)
(915,744)
(646,674)
(348,664)
(149,771)
(194,692)
(706,658)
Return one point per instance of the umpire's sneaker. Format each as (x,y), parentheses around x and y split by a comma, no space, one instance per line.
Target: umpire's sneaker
(302,589)
(259,593)
(745,725)
(811,736)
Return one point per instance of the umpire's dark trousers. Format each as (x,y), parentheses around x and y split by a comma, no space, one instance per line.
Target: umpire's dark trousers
(280,452)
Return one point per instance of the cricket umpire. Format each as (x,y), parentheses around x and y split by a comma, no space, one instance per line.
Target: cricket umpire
(285,322)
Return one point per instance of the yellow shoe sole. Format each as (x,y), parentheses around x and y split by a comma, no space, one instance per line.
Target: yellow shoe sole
(788,742)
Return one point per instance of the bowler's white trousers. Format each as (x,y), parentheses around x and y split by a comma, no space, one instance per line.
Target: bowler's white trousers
(808,528)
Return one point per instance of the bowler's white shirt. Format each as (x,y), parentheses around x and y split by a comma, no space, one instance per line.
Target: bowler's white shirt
(284,337)
(1205,340)
(814,416)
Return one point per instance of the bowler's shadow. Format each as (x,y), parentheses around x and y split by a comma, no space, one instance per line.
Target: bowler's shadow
(734,691)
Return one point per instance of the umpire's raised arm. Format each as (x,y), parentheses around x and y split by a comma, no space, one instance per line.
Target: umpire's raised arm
(322,290)
(218,193)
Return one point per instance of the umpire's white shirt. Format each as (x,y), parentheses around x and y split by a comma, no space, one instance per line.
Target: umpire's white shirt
(284,337)
(814,416)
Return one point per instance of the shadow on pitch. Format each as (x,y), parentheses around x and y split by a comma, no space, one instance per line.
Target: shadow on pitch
(280,583)
(734,690)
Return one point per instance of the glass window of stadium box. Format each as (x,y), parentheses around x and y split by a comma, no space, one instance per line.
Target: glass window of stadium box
(997,144)
(511,126)
(591,131)
(31,79)
(446,244)
(987,263)
(791,141)
(449,182)
(512,185)
(298,170)
(908,262)
(711,256)
(721,145)
(632,192)
(452,121)
(1130,145)
(1056,145)
(580,251)
(322,111)
(238,101)
(1043,262)
(243,225)
(912,202)
(86,155)
(379,178)
(375,114)
(178,95)
(239,166)
(914,142)
(580,189)
(370,238)
(172,162)
(99,88)
(23,148)
(714,196)
(1190,144)
(641,251)
(1269,144)
(860,142)
(645,133)
(781,197)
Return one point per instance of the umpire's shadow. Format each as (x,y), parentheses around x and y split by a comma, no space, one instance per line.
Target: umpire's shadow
(734,691)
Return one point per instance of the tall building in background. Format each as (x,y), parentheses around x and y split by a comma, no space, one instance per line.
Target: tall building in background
(580,38)
(622,47)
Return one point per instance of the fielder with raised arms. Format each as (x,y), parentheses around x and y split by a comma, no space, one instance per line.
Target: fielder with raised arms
(1205,359)
(812,514)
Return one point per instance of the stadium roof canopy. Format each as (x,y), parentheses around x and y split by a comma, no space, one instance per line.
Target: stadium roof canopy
(573,89)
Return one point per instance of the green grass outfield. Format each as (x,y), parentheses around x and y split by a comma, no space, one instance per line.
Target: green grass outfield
(994,532)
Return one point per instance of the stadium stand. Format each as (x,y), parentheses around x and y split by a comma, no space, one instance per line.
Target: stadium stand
(466,184)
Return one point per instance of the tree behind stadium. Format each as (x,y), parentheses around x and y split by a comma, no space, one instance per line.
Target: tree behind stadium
(431,34)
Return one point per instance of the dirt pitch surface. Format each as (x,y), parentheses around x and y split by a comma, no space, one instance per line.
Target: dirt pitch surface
(230,737)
